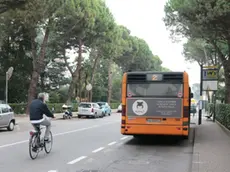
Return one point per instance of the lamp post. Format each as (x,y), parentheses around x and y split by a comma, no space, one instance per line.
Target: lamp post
(201,99)
(8,76)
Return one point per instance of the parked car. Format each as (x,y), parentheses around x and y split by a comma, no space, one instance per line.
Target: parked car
(119,109)
(106,110)
(89,109)
(7,119)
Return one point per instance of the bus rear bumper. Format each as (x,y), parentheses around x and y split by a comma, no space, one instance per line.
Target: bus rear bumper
(155,130)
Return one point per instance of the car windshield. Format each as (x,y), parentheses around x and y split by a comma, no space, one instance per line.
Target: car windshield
(101,103)
(85,105)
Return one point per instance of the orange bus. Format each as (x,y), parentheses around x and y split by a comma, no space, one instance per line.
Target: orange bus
(156,103)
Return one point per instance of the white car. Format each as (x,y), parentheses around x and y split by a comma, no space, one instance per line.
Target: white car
(89,109)
(119,109)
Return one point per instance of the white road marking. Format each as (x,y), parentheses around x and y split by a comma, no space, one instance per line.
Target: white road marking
(77,160)
(53,171)
(112,143)
(58,134)
(99,149)
(12,144)
(123,138)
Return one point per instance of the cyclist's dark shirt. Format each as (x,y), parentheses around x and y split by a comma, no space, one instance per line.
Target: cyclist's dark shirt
(37,109)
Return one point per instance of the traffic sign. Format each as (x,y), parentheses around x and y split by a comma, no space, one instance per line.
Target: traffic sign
(210,74)
(9,73)
(179,94)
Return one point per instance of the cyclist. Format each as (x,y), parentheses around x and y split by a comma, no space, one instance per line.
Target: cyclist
(37,109)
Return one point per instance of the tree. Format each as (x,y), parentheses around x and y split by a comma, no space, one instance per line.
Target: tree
(14,52)
(197,50)
(6,5)
(207,20)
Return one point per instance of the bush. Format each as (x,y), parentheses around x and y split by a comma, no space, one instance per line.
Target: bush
(21,108)
(222,113)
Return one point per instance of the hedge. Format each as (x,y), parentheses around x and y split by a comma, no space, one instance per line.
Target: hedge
(222,113)
(21,108)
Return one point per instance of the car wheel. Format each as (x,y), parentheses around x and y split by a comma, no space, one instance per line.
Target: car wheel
(79,116)
(11,126)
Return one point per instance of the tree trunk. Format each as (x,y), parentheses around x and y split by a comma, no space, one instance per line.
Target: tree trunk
(32,88)
(42,79)
(38,66)
(208,95)
(79,84)
(109,94)
(93,76)
(85,91)
(71,92)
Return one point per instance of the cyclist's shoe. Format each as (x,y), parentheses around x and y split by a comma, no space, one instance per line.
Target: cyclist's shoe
(34,149)
(46,139)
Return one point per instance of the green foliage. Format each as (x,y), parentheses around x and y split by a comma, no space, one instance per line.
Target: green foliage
(70,23)
(222,113)
(6,5)
(206,24)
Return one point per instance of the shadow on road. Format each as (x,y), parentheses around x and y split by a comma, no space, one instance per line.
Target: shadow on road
(157,141)
(2,130)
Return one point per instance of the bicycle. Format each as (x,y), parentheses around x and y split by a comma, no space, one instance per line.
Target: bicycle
(37,145)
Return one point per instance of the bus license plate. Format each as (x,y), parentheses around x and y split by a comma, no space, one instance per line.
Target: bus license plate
(153,120)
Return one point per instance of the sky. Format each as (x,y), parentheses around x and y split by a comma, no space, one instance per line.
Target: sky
(144,19)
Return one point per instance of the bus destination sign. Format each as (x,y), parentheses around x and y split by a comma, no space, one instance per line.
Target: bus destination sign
(154,77)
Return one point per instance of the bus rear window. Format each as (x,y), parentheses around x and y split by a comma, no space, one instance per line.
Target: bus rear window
(85,105)
(154,89)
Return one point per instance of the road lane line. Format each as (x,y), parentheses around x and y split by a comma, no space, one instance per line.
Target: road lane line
(58,134)
(53,171)
(123,138)
(12,144)
(99,149)
(77,160)
(112,143)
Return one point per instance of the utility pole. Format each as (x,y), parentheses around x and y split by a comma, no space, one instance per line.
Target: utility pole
(201,98)
(8,76)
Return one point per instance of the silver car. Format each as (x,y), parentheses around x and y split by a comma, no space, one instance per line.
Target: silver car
(7,119)
(89,109)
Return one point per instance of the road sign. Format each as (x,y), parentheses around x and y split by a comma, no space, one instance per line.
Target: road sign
(210,85)
(210,74)
(88,87)
(9,73)
(210,67)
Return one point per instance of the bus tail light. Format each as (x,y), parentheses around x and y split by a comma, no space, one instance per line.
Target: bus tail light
(186,111)
(123,113)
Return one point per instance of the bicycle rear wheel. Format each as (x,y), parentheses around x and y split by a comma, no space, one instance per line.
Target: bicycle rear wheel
(33,149)
(49,144)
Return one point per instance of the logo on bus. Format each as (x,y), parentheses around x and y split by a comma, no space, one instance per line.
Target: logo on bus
(140,107)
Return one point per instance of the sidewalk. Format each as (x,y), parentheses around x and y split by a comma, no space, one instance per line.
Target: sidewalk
(211,151)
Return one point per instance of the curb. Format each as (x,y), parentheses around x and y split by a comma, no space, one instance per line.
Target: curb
(223,128)
(193,167)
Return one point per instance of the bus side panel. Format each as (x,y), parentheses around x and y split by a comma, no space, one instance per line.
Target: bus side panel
(186,114)
(123,101)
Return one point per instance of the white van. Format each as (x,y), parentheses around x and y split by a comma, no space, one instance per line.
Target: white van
(7,119)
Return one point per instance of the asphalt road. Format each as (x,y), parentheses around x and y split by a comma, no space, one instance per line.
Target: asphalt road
(93,145)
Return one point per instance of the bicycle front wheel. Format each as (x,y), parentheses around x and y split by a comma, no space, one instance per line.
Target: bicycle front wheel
(49,144)
(33,149)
